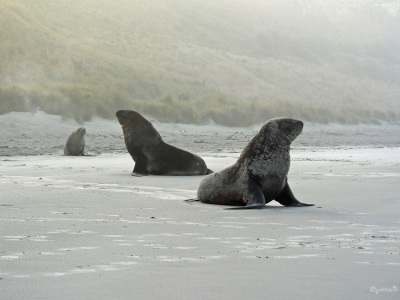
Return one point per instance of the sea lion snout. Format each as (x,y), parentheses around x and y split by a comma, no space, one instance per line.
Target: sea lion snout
(82,130)
(289,127)
(296,129)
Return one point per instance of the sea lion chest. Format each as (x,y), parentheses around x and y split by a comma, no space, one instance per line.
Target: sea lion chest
(270,171)
(78,139)
(139,139)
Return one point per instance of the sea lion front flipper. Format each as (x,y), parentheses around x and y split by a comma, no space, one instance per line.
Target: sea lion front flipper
(137,174)
(255,196)
(287,198)
(140,168)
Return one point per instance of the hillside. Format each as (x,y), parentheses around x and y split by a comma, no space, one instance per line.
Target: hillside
(232,61)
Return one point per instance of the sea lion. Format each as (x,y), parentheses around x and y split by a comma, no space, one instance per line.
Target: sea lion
(75,143)
(151,154)
(260,174)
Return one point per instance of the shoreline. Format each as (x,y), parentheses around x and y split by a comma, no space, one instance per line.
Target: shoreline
(40,133)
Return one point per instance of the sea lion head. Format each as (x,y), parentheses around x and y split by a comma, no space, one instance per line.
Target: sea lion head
(81,131)
(136,127)
(282,128)
(129,117)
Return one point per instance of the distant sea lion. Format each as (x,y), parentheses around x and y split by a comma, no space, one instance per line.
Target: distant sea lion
(260,174)
(151,154)
(75,143)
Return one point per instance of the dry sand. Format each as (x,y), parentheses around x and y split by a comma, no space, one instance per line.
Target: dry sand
(83,228)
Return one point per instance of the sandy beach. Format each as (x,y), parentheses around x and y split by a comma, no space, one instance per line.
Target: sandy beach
(83,228)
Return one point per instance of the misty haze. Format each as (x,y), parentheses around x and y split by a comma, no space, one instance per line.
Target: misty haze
(233,62)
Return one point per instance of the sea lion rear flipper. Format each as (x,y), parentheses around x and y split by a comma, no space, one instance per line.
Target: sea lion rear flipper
(251,206)
(287,198)
(209,171)
(191,200)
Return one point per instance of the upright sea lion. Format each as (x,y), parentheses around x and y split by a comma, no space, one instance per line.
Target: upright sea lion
(151,154)
(260,174)
(75,143)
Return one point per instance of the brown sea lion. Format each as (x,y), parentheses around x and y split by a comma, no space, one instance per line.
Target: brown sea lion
(260,174)
(151,154)
(76,143)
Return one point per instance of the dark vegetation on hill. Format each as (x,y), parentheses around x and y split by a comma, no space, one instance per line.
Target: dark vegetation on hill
(234,62)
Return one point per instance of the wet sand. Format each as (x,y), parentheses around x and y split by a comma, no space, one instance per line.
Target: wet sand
(83,228)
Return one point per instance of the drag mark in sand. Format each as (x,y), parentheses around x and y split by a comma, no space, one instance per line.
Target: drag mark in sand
(178,259)
(9,257)
(14,220)
(111,267)
(367,175)
(150,191)
(288,256)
